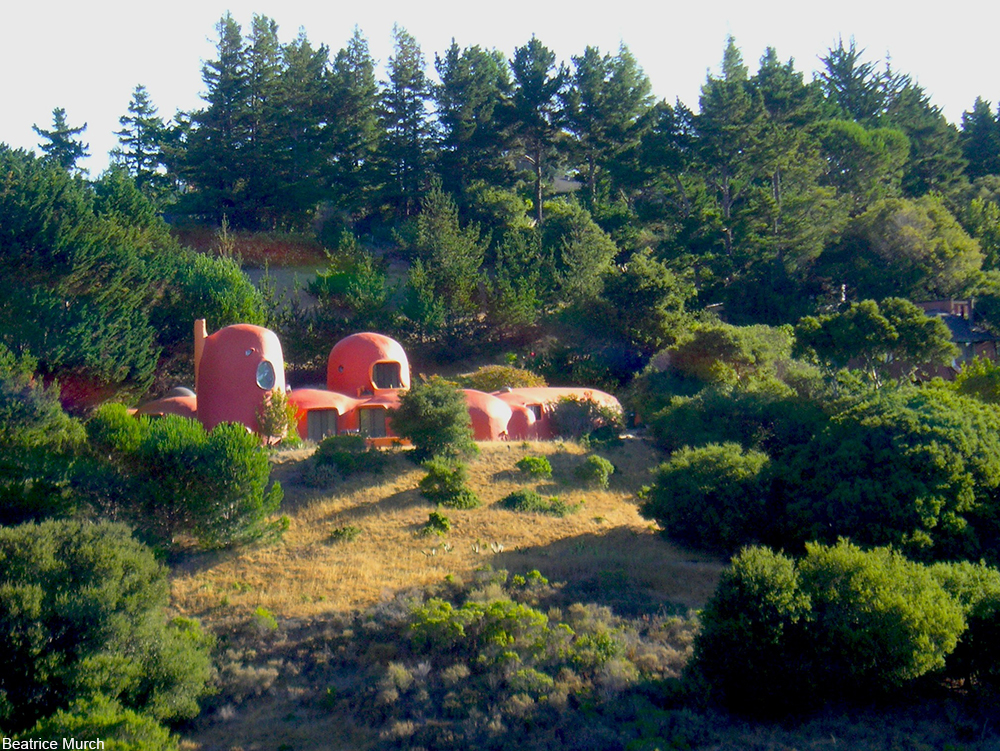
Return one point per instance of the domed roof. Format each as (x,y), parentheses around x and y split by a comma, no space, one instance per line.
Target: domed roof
(362,363)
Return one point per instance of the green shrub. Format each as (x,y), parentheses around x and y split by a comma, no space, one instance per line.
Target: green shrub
(535,465)
(101,719)
(82,614)
(350,454)
(490,378)
(841,624)
(573,417)
(595,471)
(437,524)
(278,420)
(169,476)
(711,497)
(434,416)
(977,588)
(531,502)
(345,534)
(445,484)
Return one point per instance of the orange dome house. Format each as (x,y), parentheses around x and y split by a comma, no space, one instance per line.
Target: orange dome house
(238,367)
(489,415)
(362,364)
(532,408)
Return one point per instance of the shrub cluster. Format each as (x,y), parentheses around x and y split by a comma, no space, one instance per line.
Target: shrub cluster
(595,471)
(168,477)
(841,624)
(530,501)
(538,466)
(489,665)
(490,378)
(350,454)
(574,417)
(82,617)
(446,484)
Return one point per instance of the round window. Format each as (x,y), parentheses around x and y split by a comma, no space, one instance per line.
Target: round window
(265,375)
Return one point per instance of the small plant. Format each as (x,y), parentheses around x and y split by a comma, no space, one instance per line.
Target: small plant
(350,454)
(437,524)
(264,621)
(345,534)
(445,484)
(278,420)
(529,501)
(595,471)
(538,466)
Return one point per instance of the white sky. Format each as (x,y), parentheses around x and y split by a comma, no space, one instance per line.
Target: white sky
(88,57)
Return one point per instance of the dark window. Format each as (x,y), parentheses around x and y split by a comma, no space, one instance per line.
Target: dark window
(385,375)
(536,410)
(372,422)
(265,375)
(320,423)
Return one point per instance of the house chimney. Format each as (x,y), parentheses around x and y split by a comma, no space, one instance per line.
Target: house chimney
(200,334)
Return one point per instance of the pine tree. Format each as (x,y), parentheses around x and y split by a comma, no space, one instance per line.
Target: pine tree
(355,132)
(536,109)
(63,147)
(981,139)
(140,145)
(407,126)
(474,90)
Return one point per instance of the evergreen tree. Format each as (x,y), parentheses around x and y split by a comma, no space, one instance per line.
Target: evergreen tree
(140,145)
(981,139)
(406,123)
(214,158)
(854,85)
(356,135)
(471,99)
(536,110)
(62,146)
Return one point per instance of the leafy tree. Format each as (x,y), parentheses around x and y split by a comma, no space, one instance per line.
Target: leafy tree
(169,477)
(908,467)
(864,165)
(82,616)
(912,249)
(725,354)
(535,108)
(894,338)
(712,497)
(840,624)
(62,147)
(583,253)
(434,417)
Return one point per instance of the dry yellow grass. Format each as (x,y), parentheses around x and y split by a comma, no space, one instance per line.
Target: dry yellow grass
(606,543)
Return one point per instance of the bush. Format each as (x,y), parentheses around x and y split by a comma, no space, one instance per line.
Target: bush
(531,502)
(437,524)
(100,719)
(434,416)
(596,471)
(538,466)
(977,588)
(490,378)
(278,420)
(841,624)
(573,417)
(445,484)
(711,497)
(82,614)
(350,454)
(169,476)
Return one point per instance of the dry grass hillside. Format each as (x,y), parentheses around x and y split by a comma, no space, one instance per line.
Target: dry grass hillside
(604,546)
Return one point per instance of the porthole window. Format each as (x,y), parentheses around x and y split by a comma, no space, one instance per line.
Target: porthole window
(265,375)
